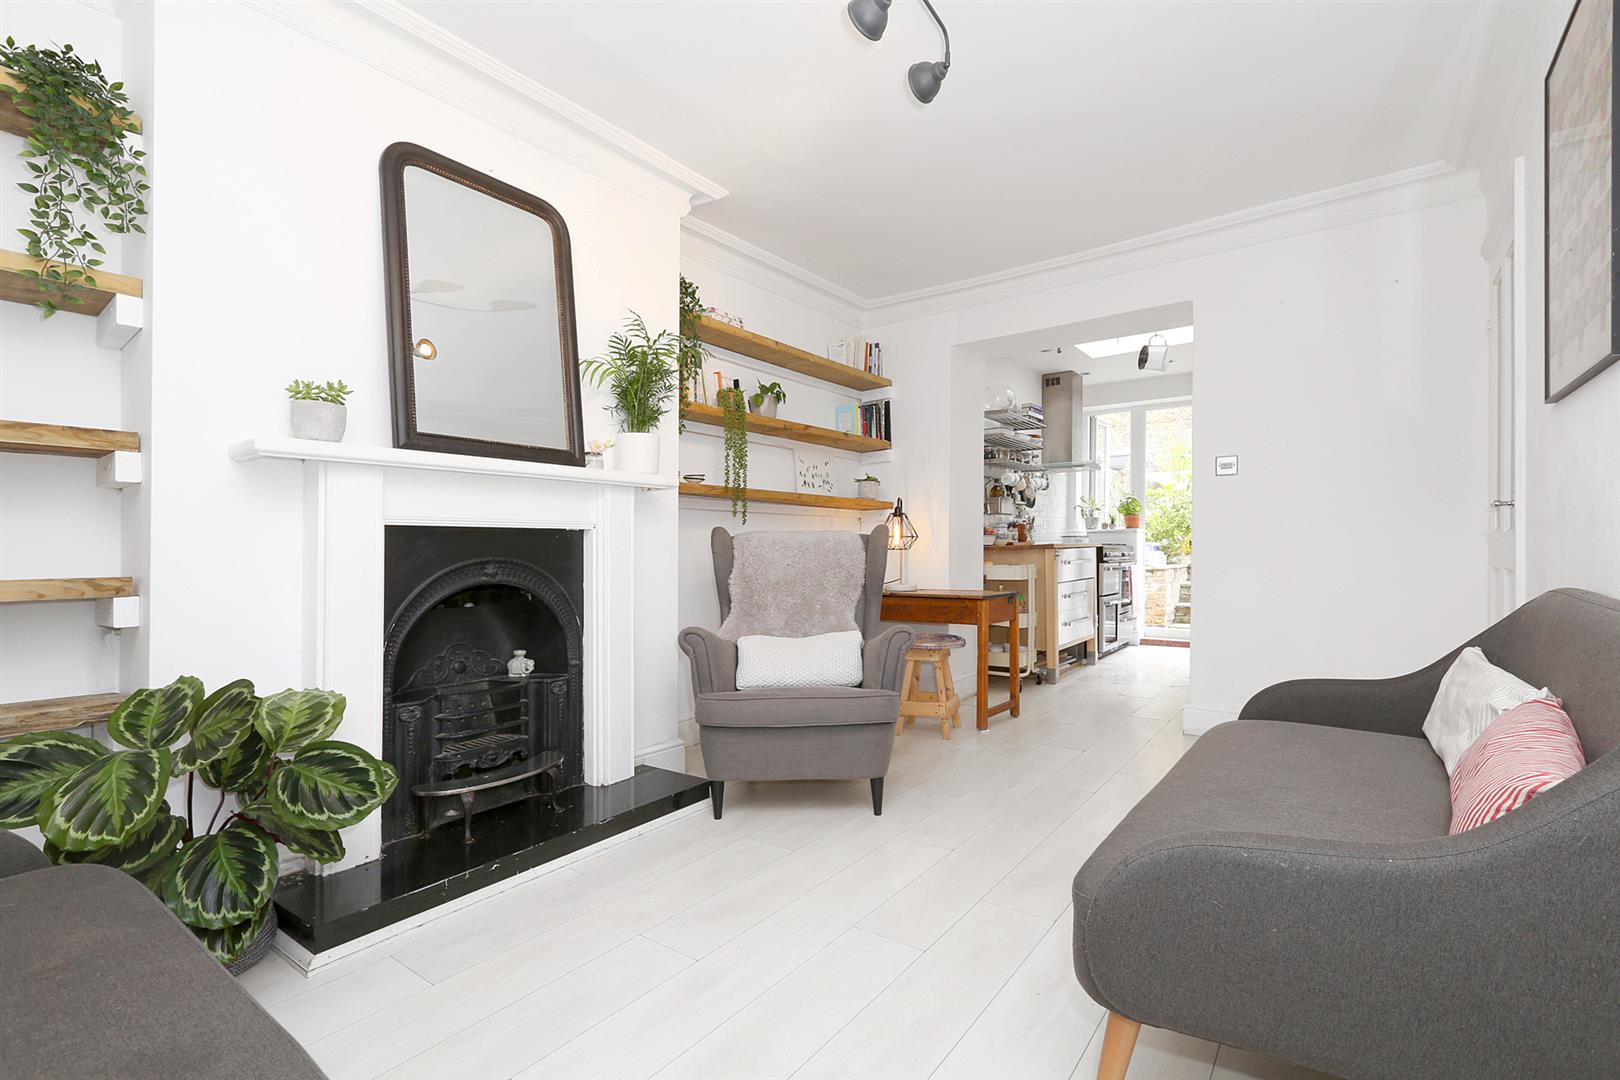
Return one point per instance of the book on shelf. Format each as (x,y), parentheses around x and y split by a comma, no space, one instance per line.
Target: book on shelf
(876,419)
(844,418)
(857,352)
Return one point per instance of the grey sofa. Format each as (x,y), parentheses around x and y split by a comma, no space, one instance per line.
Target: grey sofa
(802,733)
(1289,886)
(98,979)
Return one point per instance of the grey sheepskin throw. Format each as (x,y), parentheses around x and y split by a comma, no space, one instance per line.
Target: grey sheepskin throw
(795,584)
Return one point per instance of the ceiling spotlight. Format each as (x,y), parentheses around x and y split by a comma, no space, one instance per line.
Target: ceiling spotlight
(871,18)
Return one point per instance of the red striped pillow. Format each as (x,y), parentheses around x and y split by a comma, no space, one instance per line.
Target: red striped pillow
(1522,753)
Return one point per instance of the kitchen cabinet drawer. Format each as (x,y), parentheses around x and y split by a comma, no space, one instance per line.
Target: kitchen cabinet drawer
(1076,597)
(1076,564)
(1075,628)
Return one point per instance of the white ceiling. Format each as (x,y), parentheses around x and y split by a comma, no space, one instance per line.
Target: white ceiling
(1063,126)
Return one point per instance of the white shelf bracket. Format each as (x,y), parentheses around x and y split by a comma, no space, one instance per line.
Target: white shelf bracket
(119,469)
(120,321)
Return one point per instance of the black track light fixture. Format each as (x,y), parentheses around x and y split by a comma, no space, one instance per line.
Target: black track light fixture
(871,18)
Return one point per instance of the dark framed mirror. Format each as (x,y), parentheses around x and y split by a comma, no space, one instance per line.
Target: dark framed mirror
(484,356)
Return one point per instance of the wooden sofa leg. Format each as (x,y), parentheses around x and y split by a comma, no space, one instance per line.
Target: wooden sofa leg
(717,796)
(877,796)
(1119,1039)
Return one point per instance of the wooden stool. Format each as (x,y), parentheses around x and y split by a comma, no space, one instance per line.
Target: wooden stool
(943,702)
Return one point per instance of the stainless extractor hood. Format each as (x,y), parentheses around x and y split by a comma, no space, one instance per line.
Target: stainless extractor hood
(1064,444)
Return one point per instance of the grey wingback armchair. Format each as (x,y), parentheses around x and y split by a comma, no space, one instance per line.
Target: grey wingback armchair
(1290,888)
(798,733)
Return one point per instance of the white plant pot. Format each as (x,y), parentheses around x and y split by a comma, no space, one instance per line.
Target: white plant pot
(634,451)
(320,420)
(868,489)
(765,408)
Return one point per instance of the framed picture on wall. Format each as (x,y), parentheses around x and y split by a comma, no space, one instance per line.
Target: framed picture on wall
(1583,281)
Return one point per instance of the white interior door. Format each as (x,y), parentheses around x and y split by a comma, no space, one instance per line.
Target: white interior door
(1504,539)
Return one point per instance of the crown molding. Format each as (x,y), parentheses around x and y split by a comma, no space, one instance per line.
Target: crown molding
(1411,189)
(387,36)
(713,247)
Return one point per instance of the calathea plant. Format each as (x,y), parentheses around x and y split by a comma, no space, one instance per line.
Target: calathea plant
(292,786)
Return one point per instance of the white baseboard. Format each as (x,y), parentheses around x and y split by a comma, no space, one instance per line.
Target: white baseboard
(669,754)
(306,961)
(1199,721)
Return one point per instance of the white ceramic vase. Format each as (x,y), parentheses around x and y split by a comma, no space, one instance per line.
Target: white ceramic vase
(320,420)
(635,451)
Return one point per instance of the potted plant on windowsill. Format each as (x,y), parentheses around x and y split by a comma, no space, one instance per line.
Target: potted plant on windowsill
(318,411)
(1130,508)
(292,785)
(765,400)
(643,373)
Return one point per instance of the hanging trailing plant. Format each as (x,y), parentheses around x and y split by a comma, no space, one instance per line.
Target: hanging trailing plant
(692,352)
(734,405)
(82,165)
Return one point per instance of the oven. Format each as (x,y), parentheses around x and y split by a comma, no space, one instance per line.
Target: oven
(1116,611)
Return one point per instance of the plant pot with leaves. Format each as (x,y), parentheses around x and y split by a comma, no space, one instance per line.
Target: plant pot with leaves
(868,486)
(82,163)
(691,353)
(642,373)
(765,400)
(272,760)
(734,422)
(318,411)
(1130,508)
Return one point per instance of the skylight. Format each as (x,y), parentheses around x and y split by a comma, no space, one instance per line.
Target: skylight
(1178,335)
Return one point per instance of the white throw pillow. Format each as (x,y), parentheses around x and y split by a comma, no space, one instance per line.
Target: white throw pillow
(1473,694)
(823,660)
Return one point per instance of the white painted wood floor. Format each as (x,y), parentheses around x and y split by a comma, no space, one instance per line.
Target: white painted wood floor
(800,936)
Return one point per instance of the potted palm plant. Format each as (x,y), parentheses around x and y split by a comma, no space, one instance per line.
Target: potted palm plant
(291,785)
(642,372)
(1130,508)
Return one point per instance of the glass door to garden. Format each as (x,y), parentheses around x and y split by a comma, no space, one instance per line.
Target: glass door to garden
(1167,533)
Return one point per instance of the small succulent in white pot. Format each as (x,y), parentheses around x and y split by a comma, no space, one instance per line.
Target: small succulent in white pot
(318,410)
(867,486)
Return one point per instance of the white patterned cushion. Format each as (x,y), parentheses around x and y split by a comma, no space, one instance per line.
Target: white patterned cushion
(1472,695)
(823,660)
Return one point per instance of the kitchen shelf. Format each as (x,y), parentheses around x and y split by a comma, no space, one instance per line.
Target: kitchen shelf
(787,498)
(1016,420)
(56,714)
(787,429)
(24,437)
(779,354)
(38,590)
(15,122)
(18,289)
(1009,440)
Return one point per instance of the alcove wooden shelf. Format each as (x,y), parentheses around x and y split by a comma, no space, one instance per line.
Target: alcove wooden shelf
(787,498)
(56,714)
(779,354)
(18,289)
(15,122)
(25,437)
(787,429)
(37,590)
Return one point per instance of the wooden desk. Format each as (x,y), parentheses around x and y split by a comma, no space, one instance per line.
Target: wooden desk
(975,607)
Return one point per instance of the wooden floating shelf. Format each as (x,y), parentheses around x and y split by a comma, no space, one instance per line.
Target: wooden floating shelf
(779,354)
(56,714)
(787,429)
(787,498)
(25,290)
(23,437)
(38,590)
(15,122)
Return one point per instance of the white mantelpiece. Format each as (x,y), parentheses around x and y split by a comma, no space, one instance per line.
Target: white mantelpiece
(352,492)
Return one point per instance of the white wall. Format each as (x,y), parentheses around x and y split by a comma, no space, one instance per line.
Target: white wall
(1341,361)
(54,520)
(1570,506)
(267,265)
